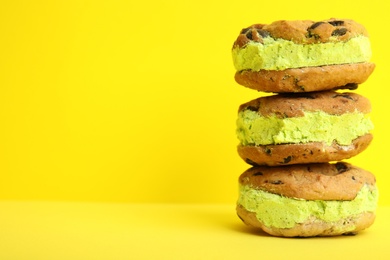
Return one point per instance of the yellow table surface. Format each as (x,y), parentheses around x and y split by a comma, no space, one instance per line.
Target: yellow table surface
(78,230)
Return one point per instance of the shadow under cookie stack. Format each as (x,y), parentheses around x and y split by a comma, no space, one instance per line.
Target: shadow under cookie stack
(296,137)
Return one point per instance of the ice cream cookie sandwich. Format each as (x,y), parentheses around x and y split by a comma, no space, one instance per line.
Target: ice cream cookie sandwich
(308,200)
(296,128)
(302,56)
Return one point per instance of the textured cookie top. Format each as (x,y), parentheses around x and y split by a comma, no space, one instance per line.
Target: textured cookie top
(302,31)
(296,104)
(339,181)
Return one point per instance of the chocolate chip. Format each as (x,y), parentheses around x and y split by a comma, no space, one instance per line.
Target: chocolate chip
(341,167)
(339,32)
(249,161)
(258,174)
(277,182)
(252,108)
(351,86)
(255,34)
(313,35)
(315,25)
(337,22)
(263,33)
(287,159)
(353,178)
(249,35)
(343,95)
(245,30)
(268,151)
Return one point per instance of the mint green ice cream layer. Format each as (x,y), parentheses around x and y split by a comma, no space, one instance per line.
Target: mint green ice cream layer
(254,129)
(282,212)
(280,54)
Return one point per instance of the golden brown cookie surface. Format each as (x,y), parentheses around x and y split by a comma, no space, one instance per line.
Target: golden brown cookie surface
(294,105)
(302,31)
(314,152)
(306,79)
(322,181)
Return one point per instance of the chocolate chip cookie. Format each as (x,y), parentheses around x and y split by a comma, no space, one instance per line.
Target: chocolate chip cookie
(302,56)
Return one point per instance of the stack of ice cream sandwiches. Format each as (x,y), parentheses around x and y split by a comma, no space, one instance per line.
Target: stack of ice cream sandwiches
(296,135)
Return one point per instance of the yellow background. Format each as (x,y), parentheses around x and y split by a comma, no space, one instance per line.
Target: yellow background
(135,101)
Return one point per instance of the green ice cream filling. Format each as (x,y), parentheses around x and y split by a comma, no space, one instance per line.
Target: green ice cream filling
(254,129)
(280,54)
(282,212)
